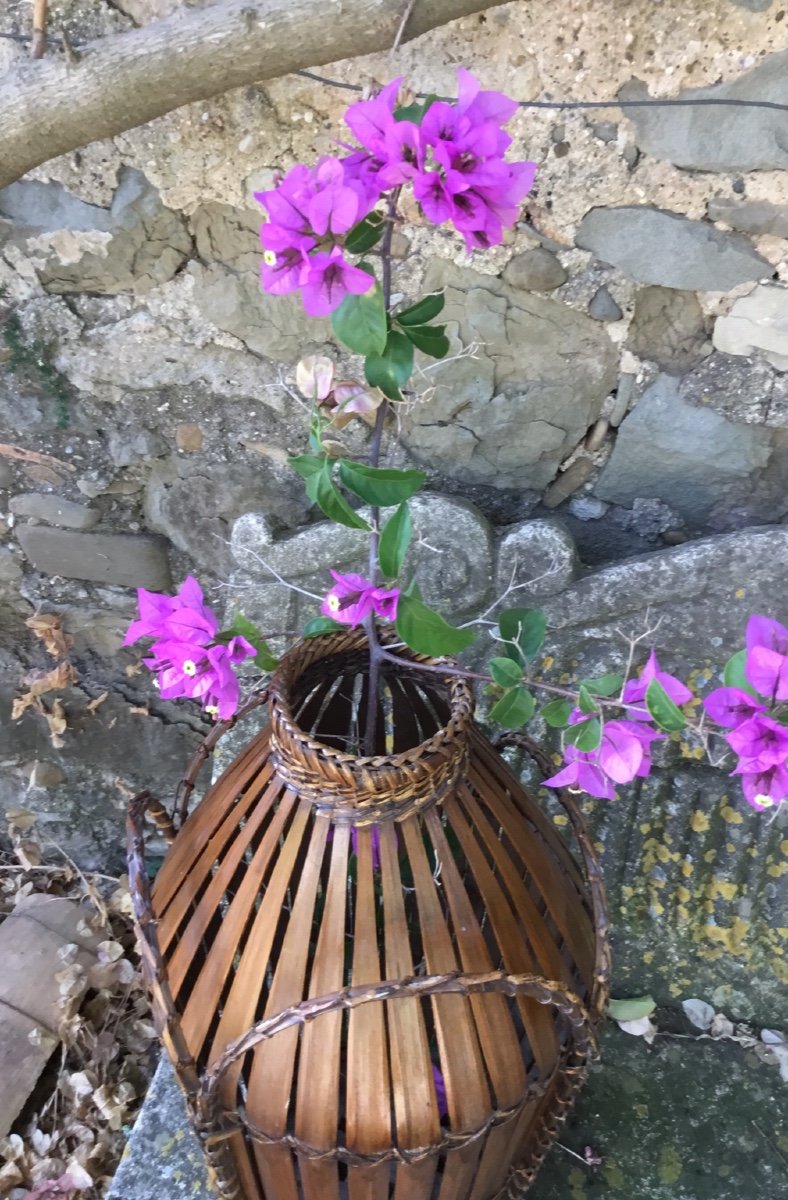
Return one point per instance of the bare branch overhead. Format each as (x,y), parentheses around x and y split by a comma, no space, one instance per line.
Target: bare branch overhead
(51,106)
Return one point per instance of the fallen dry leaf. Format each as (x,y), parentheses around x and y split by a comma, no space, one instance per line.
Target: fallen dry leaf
(92,705)
(47,627)
(39,683)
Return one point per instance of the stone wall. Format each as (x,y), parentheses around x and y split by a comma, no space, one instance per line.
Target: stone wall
(629,378)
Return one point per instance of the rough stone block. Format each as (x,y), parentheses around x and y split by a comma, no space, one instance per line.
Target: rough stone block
(102,557)
(54,510)
(758,322)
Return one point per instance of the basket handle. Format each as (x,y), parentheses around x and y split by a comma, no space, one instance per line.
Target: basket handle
(543,991)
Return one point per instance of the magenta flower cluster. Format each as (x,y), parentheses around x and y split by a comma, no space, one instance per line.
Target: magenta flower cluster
(624,752)
(185,652)
(352,599)
(758,739)
(453,158)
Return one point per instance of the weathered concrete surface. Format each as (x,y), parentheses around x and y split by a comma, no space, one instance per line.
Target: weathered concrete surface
(680,1120)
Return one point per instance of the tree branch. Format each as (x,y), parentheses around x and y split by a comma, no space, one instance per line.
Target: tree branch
(49,107)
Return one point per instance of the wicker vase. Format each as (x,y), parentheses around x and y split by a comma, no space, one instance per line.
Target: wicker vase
(375,977)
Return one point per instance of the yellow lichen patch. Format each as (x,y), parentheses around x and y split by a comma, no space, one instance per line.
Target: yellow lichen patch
(560,819)
(684,895)
(683,915)
(577,1183)
(565,677)
(614,1175)
(721,888)
(669,1166)
(548,662)
(675,990)
(663,854)
(627,892)
(731,937)
(645,827)
(657,908)
(648,957)
(729,846)
(784,847)
(710,856)
(731,815)
(687,868)
(776,870)
(699,821)
(740,593)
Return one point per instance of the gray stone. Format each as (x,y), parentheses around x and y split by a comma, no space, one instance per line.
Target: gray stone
(451,556)
(668,328)
(648,518)
(195,510)
(538,557)
(587,508)
(606,131)
(758,322)
(535,270)
(131,247)
(750,216)
(753,5)
(131,445)
(54,510)
(510,415)
(164,1157)
(719,137)
(670,450)
(568,482)
(102,557)
(602,306)
(6,474)
(653,245)
(679,1120)
(10,570)
(751,392)
(228,235)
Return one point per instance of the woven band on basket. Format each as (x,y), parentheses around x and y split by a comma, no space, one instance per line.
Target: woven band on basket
(357,788)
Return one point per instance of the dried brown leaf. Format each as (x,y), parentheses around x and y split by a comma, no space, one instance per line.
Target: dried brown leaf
(92,705)
(47,627)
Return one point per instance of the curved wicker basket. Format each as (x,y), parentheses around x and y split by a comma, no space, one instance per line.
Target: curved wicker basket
(376,977)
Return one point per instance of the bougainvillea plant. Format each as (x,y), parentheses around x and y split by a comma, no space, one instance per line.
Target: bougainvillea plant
(328,235)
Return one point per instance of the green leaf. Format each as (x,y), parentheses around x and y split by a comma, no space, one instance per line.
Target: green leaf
(325,493)
(380,486)
(631,1010)
(734,673)
(360,322)
(556,713)
(424,310)
(505,672)
(319,625)
(525,628)
(430,339)
(365,234)
(242,626)
(414,112)
(426,632)
(394,542)
(308,465)
(586,700)
(413,589)
(391,369)
(665,713)
(585,735)
(513,709)
(605,685)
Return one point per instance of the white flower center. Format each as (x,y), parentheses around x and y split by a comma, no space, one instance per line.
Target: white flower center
(189,667)
(764,801)
(333,602)
(212,709)
(269,258)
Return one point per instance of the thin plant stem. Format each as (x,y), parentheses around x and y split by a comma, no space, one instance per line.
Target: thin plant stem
(370,729)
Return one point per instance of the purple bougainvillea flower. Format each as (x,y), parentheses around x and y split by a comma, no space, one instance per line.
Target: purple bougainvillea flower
(330,277)
(635,690)
(477,105)
(583,776)
(764,788)
(437,202)
(285,261)
(440,1091)
(730,706)
(287,203)
(766,667)
(334,206)
(760,740)
(182,617)
(370,120)
(620,751)
(353,598)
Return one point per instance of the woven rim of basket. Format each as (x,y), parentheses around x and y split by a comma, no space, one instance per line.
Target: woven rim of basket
(365,788)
